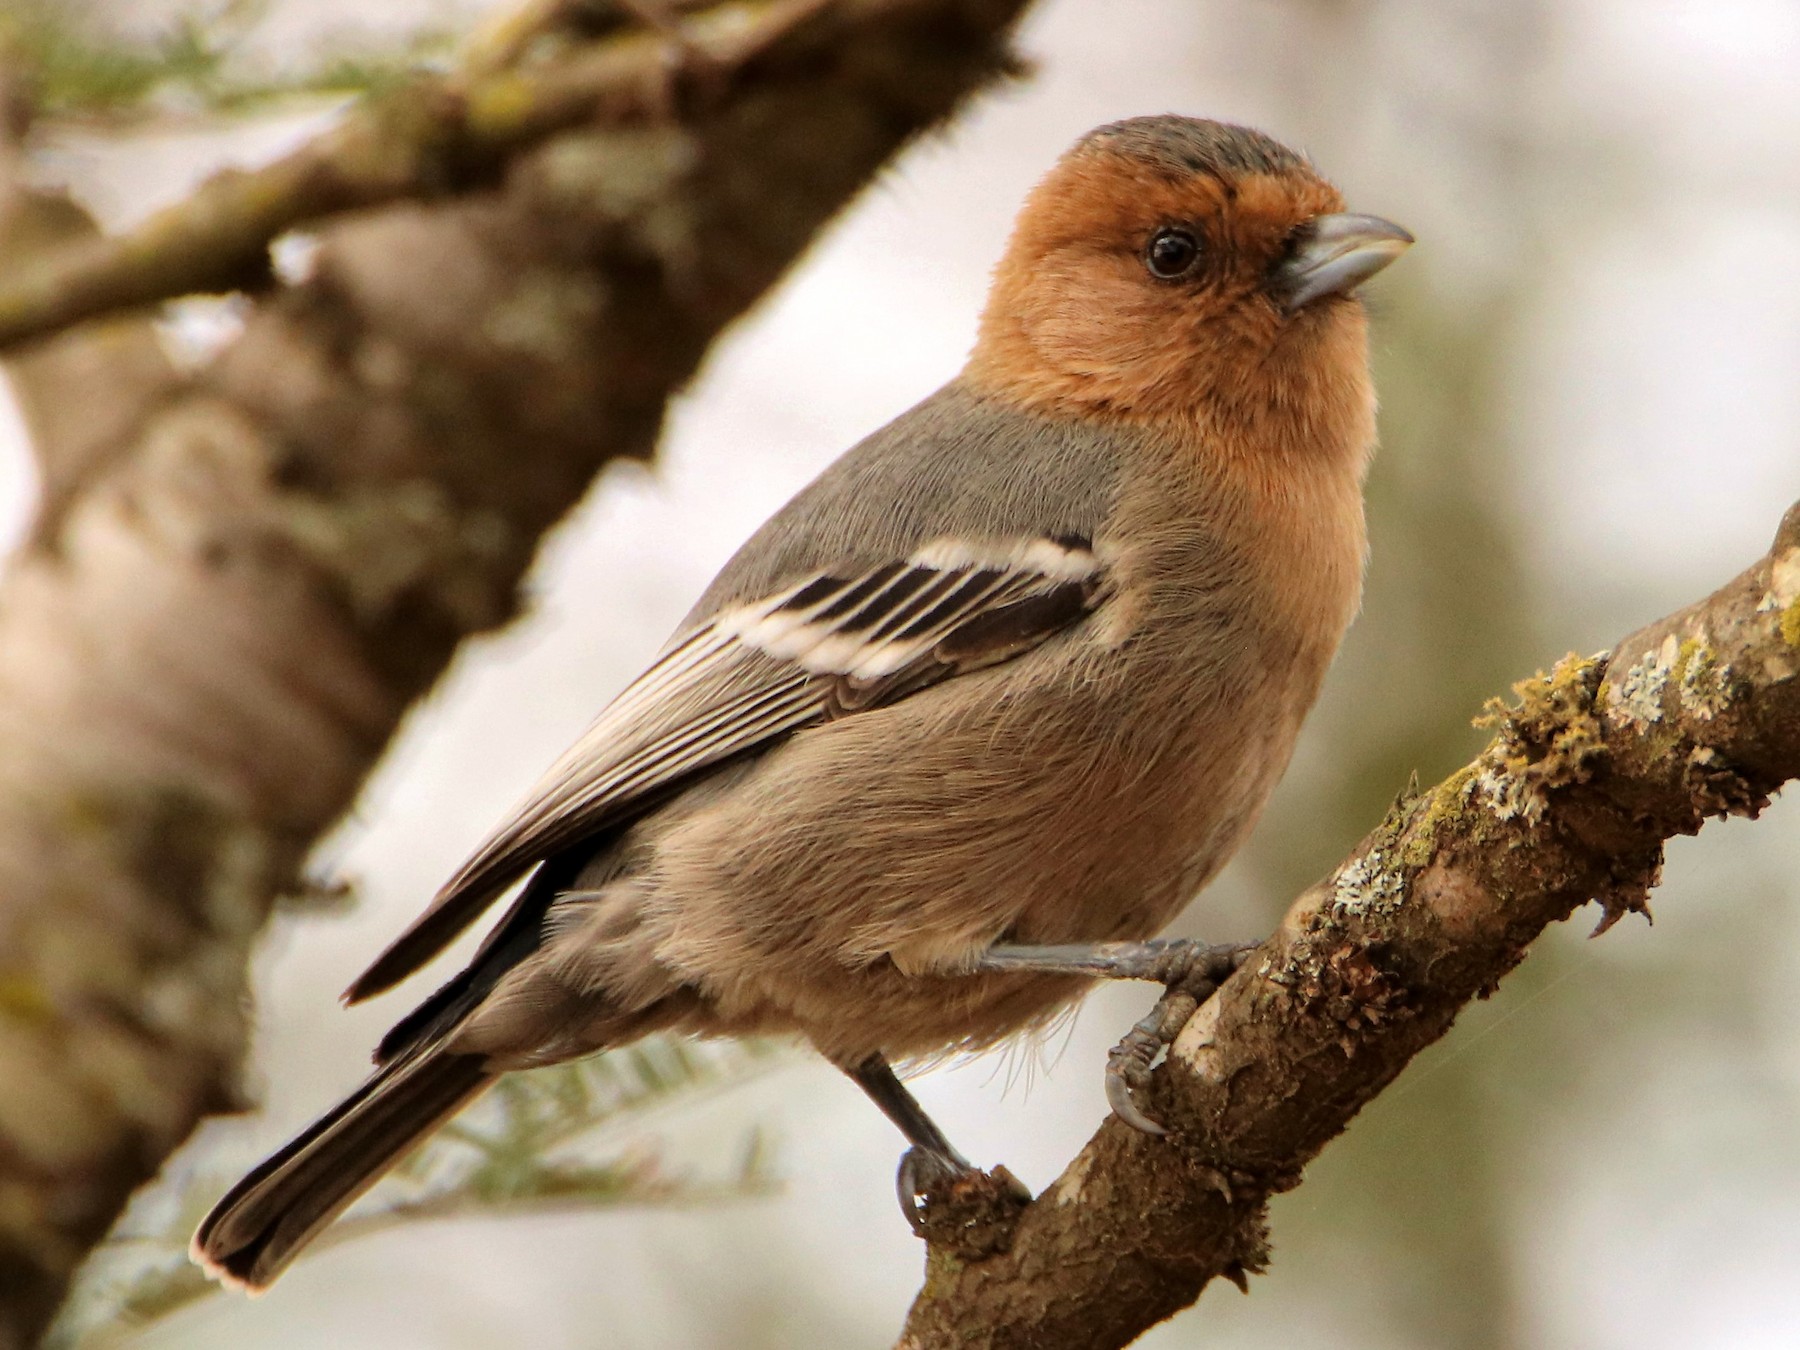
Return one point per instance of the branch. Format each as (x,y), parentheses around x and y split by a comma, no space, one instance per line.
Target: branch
(437,136)
(74,434)
(1601,762)
(203,658)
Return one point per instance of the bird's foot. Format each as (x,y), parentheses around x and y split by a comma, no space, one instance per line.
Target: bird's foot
(948,1201)
(1191,972)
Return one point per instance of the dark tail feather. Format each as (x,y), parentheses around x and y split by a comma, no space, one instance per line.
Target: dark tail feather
(266,1219)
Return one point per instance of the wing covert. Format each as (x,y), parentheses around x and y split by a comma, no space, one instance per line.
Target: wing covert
(827,646)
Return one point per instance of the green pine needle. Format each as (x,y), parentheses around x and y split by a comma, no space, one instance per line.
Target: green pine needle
(539,1141)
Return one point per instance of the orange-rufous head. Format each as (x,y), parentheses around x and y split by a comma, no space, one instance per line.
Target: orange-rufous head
(1170,268)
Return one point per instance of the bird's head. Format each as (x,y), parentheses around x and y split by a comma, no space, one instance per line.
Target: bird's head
(1170,267)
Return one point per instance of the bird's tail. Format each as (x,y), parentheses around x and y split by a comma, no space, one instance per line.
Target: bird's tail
(265,1220)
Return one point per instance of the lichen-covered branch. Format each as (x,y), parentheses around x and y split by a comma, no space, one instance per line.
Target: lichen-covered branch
(1596,766)
(206,651)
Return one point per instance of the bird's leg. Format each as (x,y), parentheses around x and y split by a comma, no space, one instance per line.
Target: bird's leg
(1176,962)
(932,1162)
(1190,972)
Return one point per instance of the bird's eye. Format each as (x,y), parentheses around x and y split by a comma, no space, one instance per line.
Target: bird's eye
(1172,253)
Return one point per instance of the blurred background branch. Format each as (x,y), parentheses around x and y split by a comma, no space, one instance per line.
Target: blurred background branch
(71,430)
(206,646)
(426,137)
(188,66)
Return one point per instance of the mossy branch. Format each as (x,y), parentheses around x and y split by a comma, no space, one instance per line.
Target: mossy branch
(1588,774)
(427,137)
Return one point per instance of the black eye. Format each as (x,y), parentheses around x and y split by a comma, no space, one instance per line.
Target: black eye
(1172,253)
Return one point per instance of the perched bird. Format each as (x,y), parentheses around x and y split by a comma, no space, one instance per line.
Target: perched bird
(971,717)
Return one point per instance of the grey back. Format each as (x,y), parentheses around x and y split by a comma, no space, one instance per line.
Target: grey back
(957,465)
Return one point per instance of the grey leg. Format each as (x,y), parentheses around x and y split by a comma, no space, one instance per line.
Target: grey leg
(875,1077)
(1171,961)
(932,1161)
(1192,971)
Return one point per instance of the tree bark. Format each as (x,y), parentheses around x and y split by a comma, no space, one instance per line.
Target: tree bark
(1597,765)
(249,578)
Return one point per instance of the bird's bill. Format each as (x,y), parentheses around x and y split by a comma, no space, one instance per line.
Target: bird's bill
(1337,254)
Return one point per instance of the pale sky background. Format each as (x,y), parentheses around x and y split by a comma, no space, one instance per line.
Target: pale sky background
(1654,439)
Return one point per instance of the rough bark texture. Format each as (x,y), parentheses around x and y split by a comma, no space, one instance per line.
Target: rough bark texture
(244,583)
(1599,763)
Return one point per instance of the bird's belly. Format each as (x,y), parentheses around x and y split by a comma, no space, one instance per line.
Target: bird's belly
(848,911)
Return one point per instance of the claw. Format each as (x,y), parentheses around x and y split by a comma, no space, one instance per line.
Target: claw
(1192,974)
(1128,1066)
(966,1212)
(1124,1105)
(921,1170)
(906,1185)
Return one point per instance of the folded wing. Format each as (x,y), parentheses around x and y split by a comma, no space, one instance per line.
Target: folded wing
(828,646)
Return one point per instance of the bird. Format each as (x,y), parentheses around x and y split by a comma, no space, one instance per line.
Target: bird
(965,724)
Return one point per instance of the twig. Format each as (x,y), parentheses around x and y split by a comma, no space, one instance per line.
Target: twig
(73,433)
(436,136)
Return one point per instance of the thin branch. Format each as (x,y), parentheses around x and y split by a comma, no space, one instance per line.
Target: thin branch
(434,136)
(72,432)
(1599,764)
(189,64)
